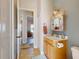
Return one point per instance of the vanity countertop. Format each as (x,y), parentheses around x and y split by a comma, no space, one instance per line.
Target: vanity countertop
(50,37)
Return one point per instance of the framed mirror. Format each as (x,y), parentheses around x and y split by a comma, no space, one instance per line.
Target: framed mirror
(57,20)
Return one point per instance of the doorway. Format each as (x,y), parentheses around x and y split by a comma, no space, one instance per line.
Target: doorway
(30,30)
(25,33)
(27,28)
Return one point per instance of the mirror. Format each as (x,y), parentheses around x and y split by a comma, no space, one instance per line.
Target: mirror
(57,20)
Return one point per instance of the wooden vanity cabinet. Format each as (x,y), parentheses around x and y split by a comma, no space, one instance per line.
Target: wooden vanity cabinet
(48,49)
(53,52)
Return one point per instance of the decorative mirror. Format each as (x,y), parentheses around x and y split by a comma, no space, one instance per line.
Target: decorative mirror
(57,21)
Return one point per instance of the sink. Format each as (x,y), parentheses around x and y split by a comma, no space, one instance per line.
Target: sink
(56,38)
(53,38)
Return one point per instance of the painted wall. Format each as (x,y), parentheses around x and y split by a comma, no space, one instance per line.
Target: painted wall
(29,22)
(72,21)
(27,4)
(46,9)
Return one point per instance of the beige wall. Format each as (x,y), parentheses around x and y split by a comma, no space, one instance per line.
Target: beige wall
(29,22)
(27,4)
(72,22)
(46,8)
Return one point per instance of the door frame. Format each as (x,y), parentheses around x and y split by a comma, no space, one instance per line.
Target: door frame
(13,37)
(24,9)
(33,23)
(26,18)
(12,30)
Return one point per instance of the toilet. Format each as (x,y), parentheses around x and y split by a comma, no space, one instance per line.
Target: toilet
(75,52)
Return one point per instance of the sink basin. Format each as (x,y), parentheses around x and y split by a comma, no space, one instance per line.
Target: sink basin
(55,38)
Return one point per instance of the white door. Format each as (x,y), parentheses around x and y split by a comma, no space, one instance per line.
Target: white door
(6,29)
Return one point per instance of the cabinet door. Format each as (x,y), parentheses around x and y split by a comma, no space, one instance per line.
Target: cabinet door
(46,48)
(49,51)
(52,52)
(62,52)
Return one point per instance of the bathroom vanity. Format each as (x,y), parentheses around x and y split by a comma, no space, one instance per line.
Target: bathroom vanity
(55,48)
(55,45)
